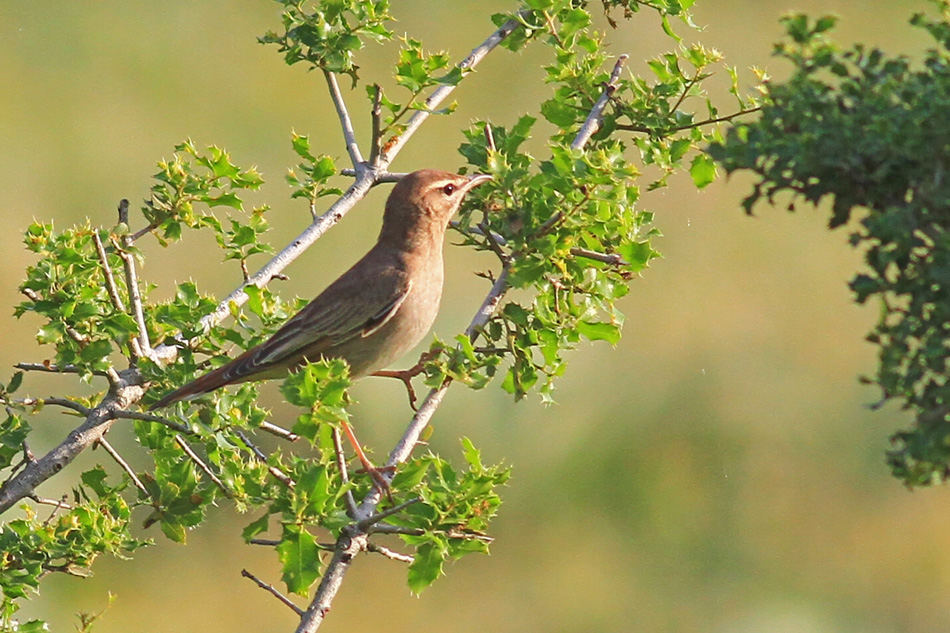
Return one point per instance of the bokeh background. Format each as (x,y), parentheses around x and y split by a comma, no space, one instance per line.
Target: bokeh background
(718,471)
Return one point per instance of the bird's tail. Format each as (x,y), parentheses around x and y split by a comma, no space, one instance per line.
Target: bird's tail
(202,385)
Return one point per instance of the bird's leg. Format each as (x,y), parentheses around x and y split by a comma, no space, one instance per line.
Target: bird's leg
(406,375)
(379,481)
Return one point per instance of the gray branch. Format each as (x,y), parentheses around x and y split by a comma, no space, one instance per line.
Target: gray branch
(349,135)
(127,391)
(596,116)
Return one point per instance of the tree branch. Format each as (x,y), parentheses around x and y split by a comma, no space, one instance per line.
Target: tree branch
(202,465)
(278,474)
(132,286)
(148,417)
(112,289)
(349,136)
(594,119)
(614,259)
(270,588)
(99,420)
(57,402)
(55,369)
(388,553)
(123,464)
(439,94)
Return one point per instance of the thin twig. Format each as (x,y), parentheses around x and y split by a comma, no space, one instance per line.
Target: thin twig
(59,503)
(490,138)
(265,541)
(388,553)
(592,124)
(111,288)
(439,94)
(273,470)
(143,231)
(123,464)
(344,474)
(614,259)
(477,230)
(55,369)
(387,528)
(349,136)
(679,128)
(148,417)
(57,402)
(376,115)
(132,285)
(270,588)
(203,466)
(383,176)
(379,516)
(279,431)
(31,294)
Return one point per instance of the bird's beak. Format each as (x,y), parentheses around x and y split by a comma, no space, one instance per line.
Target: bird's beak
(474,181)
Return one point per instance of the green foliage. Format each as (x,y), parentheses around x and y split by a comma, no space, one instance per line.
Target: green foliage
(453,512)
(191,178)
(68,539)
(329,35)
(416,71)
(867,131)
(568,230)
(314,173)
(568,226)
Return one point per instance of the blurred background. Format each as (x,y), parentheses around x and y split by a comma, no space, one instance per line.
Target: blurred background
(717,472)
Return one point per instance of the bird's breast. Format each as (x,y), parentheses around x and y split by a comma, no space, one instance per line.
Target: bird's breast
(407,327)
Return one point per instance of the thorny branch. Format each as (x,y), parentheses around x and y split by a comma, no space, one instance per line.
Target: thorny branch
(272,590)
(353,538)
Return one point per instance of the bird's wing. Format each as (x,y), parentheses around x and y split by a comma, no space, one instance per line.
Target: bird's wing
(352,306)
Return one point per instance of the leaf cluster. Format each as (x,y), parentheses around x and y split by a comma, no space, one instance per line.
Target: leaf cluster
(867,131)
(567,228)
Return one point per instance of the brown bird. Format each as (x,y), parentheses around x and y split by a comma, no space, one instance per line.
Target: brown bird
(377,310)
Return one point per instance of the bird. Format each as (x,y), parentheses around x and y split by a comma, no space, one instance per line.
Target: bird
(376,311)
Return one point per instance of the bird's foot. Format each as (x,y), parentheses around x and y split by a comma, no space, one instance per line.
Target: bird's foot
(406,375)
(378,475)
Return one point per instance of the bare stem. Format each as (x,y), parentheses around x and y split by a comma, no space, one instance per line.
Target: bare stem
(382,176)
(594,119)
(439,94)
(376,114)
(344,474)
(202,465)
(614,259)
(112,289)
(388,553)
(278,474)
(148,417)
(349,136)
(270,589)
(55,369)
(132,286)
(123,464)
(279,431)
(57,402)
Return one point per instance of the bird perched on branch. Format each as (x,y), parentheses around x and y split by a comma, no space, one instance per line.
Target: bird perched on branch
(377,310)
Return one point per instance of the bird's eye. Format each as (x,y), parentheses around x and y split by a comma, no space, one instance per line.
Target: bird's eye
(448,189)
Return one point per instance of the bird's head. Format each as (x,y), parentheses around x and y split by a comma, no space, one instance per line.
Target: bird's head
(422,203)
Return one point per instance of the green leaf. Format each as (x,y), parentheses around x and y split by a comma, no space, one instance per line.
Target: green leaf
(15,382)
(598,331)
(426,566)
(299,555)
(703,170)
